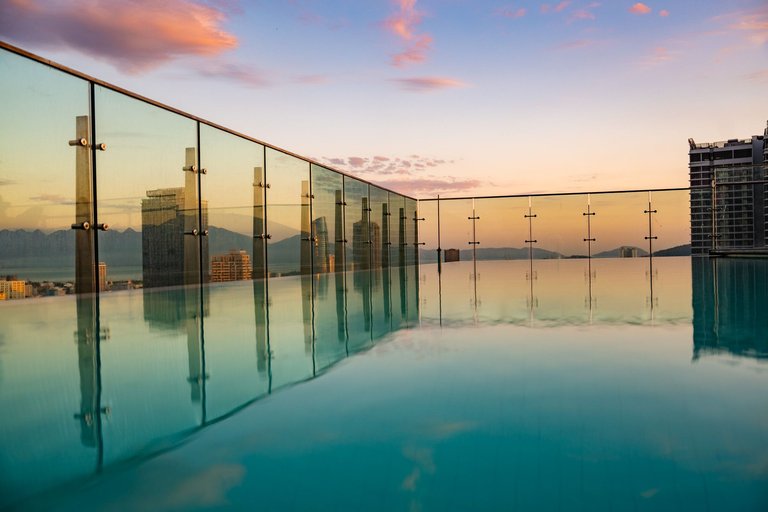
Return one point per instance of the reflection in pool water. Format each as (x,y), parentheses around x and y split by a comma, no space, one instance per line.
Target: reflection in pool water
(478,387)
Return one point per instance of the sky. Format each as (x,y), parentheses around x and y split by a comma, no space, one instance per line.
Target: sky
(451,97)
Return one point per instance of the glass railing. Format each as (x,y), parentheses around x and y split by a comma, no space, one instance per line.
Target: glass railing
(104,190)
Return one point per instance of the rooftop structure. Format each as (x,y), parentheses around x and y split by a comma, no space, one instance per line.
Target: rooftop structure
(728,196)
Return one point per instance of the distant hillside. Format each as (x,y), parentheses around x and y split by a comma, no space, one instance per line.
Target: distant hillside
(493,253)
(680,250)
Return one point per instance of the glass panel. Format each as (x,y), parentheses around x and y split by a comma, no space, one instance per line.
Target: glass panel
(456,229)
(411,230)
(502,228)
(288,248)
(559,226)
(233,200)
(147,194)
(397,229)
(428,231)
(43,109)
(379,227)
(356,213)
(327,219)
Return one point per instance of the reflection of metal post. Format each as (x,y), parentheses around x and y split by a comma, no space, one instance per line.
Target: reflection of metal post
(263,359)
(193,310)
(259,224)
(88,338)
(589,214)
(650,239)
(307,312)
(191,231)
(85,271)
(307,240)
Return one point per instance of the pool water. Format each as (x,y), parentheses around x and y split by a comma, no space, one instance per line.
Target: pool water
(615,387)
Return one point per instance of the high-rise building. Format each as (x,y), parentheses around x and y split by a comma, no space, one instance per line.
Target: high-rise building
(11,289)
(234,266)
(169,249)
(728,196)
(102,276)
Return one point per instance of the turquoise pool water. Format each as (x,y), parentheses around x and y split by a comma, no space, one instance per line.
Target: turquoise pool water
(618,387)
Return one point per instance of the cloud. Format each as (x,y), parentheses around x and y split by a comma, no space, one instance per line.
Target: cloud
(316,79)
(578,43)
(403,24)
(582,14)
(758,76)
(423,84)
(52,198)
(663,13)
(407,175)
(233,71)
(4,182)
(511,12)
(659,55)
(753,24)
(640,8)
(135,35)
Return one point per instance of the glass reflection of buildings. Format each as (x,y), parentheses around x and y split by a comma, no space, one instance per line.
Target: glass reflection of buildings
(730,299)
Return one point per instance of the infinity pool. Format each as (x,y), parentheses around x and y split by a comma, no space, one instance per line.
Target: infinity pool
(604,386)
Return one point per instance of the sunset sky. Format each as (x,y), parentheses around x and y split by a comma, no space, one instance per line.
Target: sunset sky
(452,97)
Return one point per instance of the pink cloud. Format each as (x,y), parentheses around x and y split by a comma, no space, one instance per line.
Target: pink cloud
(356,161)
(663,13)
(659,55)
(511,12)
(640,8)
(579,43)
(403,24)
(753,24)
(232,71)
(431,186)
(135,36)
(758,76)
(544,8)
(582,14)
(422,84)
(311,79)
(562,5)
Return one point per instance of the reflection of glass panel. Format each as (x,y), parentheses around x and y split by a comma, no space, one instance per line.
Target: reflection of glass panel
(147,193)
(379,227)
(290,333)
(43,109)
(170,377)
(49,391)
(234,168)
(356,213)
(327,218)
(235,365)
(288,249)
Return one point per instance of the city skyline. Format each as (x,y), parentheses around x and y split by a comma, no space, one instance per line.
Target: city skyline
(430,98)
